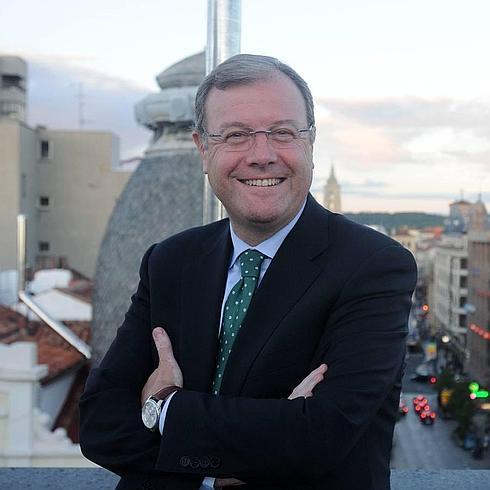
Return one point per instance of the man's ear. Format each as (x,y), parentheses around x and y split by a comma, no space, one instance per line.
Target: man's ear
(201,146)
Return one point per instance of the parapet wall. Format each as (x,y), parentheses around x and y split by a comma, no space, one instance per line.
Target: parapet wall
(88,479)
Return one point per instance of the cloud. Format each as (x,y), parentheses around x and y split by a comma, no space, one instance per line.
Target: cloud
(365,184)
(375,133)
(61,91)
(407,112)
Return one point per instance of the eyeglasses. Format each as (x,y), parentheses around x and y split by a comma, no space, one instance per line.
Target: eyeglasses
(239,140)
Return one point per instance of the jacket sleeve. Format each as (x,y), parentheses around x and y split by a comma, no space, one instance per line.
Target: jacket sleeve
(111,431)
(364,346)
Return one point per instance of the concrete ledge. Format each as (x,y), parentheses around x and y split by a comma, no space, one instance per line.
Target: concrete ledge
(97,478)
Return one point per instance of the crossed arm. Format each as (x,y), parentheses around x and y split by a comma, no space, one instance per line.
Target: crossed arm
(363,346)
(168,372)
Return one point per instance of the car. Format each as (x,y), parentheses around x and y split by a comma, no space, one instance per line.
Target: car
(402,409)
(419,401)
(424,373)
(427,417)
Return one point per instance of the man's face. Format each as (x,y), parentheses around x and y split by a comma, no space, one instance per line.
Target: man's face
(262,188)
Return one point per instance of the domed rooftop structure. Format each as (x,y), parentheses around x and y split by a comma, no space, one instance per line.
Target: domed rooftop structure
(186,73)
(162,197)
(175,102)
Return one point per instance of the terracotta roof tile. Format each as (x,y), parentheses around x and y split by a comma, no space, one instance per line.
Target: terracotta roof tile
(52,350)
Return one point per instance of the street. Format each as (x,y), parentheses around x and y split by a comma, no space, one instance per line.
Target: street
(428,447)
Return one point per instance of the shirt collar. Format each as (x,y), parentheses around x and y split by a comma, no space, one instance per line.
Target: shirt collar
(268,247)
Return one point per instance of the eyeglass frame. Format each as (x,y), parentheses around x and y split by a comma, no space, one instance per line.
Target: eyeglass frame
(253,134)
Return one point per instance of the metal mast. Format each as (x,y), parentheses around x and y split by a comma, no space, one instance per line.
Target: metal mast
(223,41)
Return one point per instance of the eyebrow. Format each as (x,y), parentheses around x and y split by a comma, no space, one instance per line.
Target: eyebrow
(239,124)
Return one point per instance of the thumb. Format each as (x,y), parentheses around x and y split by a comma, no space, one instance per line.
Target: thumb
(163,345)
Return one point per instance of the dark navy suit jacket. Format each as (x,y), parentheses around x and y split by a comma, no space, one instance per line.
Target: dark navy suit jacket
(336,292)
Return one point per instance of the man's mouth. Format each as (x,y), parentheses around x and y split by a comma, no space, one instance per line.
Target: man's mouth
(262,182)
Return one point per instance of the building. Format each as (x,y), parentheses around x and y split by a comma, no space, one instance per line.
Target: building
(427,239)
(479,295)
(460,290)
(42,376)
(459,217)
(450,295)
(66,182)
(331,193)
(407,237)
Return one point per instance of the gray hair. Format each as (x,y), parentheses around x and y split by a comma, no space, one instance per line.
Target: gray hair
(245,69)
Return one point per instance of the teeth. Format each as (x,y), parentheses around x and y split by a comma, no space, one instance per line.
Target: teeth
(262,182)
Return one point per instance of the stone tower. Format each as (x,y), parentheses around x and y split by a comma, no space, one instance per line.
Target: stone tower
(162,197)
(331,193)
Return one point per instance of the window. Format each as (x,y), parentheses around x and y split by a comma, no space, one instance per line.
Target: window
(44,202)
(462,301)
(12,81)
(43,246)
(45,149)
(464,264)
(462,320)
(463,282)
(11,109)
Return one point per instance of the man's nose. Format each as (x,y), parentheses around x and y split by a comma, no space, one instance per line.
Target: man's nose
(262,152)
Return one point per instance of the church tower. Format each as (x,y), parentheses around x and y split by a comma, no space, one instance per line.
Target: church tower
(331,193)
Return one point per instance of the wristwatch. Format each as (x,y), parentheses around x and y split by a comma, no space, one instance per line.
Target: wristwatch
(150,412)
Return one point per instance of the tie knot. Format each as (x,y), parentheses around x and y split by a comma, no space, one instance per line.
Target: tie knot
(250,262)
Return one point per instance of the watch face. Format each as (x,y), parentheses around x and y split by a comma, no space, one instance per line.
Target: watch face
(149,414)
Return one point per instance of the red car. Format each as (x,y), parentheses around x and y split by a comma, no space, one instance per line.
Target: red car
(402,408)
(419,399)
(422,408)
(427,417)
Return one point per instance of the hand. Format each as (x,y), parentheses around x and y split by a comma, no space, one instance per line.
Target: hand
(168,372)
(305,388)
(227,482)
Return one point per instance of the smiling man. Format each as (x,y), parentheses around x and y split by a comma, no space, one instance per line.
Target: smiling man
(257,151)
(234,389)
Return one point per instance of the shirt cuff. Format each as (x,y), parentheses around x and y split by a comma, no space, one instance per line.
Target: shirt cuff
(163,413)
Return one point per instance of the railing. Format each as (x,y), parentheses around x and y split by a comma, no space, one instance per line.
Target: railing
(96,478)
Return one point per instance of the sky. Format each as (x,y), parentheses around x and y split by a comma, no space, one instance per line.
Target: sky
(401,89)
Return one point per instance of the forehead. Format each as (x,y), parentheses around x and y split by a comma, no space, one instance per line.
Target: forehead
(257,104)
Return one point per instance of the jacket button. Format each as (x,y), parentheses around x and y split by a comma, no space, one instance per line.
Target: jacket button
(195,463)
(205,462)
(214,462)
(184,461)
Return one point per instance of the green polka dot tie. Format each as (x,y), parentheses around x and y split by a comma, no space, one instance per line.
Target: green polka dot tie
(236,308)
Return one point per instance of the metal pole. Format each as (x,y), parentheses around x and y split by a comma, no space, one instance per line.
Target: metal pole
(223,41)
(21,251)
(61,329)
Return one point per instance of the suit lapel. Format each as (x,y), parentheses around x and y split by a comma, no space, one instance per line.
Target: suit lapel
(203,286)
(286,281)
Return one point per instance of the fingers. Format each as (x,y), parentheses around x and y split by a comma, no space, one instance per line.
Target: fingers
(315,377)
(305,388)
(317,373)
(225,482)
(163,345)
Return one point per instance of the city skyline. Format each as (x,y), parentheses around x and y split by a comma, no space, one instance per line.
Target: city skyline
(401,93)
